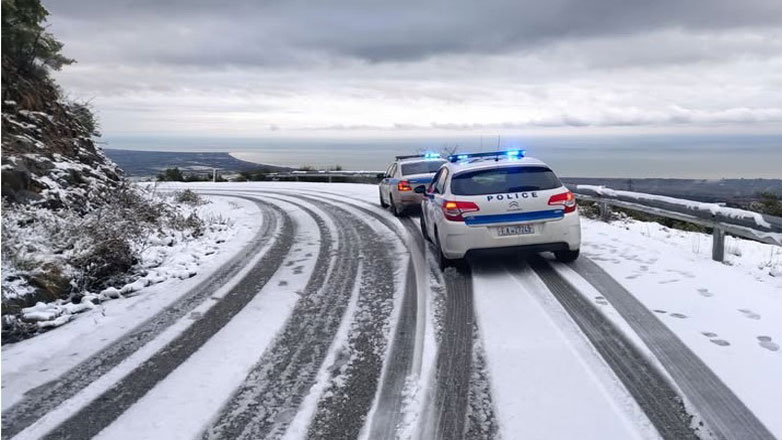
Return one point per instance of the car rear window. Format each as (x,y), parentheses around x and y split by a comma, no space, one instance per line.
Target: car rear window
(504,180)
(423,167)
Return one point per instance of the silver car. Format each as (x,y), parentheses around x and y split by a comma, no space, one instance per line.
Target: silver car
(398,184)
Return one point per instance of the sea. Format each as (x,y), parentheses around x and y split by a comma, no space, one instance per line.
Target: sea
(689,156)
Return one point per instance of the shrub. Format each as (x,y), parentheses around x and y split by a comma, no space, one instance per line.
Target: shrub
(188,197)
(769,203)
(59,254)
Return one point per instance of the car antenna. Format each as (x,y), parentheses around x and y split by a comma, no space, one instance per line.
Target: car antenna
(497,158)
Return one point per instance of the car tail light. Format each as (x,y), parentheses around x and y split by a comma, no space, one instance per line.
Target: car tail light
(404,185)
(454,210)
(566,199)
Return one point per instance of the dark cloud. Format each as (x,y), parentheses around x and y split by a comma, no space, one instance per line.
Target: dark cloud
(296,32)
(247,67)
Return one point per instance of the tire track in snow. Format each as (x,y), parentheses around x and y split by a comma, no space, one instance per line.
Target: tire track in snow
(42,399)
(724,413)
(454,357)
(401,359)
(342,409)
(269,398)
(399,363)
(463,402)
(643,381)
(481,417)
(99,413)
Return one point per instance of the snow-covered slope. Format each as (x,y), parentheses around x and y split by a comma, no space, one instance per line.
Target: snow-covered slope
(49,155)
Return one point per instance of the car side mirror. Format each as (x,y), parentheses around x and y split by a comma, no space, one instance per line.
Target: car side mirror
(420,189)
(381,176)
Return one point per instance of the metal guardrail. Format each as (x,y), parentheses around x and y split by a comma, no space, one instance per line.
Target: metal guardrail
(327,176)
(740,223)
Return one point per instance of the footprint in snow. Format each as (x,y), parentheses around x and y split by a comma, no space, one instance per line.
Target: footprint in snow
(308,254)
(195,315)
(679,315)
(767,343)
(660,311)
(705,292)
(749,314)
(282,283)
(668,281)
(298,269)
(600,300)
(715,340)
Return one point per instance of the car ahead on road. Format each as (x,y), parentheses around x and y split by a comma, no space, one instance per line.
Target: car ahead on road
(402,178)
(499,200)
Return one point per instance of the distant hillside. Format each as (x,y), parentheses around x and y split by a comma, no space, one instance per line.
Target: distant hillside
(136,163)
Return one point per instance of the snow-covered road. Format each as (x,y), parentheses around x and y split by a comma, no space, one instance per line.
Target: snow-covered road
(327,317)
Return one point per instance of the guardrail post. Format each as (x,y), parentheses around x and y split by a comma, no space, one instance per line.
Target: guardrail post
(605,211)
(718,244)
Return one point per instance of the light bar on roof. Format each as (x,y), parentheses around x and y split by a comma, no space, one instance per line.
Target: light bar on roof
(510,154)
(425,156)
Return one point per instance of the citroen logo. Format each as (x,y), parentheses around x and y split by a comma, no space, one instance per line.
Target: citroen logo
(513,205)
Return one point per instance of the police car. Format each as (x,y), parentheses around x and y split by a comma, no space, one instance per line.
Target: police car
(499,200)
(403,177)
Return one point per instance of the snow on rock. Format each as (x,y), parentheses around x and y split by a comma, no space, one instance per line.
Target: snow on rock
(49,155)
(134,286)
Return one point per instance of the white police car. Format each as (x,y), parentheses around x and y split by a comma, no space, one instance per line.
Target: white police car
(499,200)
(403,177)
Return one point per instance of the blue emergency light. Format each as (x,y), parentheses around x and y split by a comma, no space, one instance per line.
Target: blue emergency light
(511,154)
(425,156)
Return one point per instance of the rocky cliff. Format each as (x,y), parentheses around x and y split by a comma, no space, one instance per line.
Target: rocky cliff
(49,157)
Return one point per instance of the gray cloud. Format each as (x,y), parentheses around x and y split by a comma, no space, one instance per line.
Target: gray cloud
(266,33)
(247,67)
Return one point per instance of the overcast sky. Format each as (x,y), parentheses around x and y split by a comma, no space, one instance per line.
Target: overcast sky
(398,67)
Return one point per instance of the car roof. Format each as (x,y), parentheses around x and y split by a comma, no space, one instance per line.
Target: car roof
(493,162)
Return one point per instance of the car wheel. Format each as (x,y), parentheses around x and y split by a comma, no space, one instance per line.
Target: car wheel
(423,228)
(382,203)
(394,208)
(566,256)
(442,261)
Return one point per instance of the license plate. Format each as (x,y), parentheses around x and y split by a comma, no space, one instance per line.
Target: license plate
(504,231)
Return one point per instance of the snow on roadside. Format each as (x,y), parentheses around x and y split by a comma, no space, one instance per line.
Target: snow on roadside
(168,251)
(36,361)
(727,313)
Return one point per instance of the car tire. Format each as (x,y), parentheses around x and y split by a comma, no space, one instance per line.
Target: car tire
(442,261)
(394,208)
(423,228)
(566,256)
(382,203)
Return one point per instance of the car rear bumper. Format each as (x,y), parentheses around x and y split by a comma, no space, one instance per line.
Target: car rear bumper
(408,198)
(458,239)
